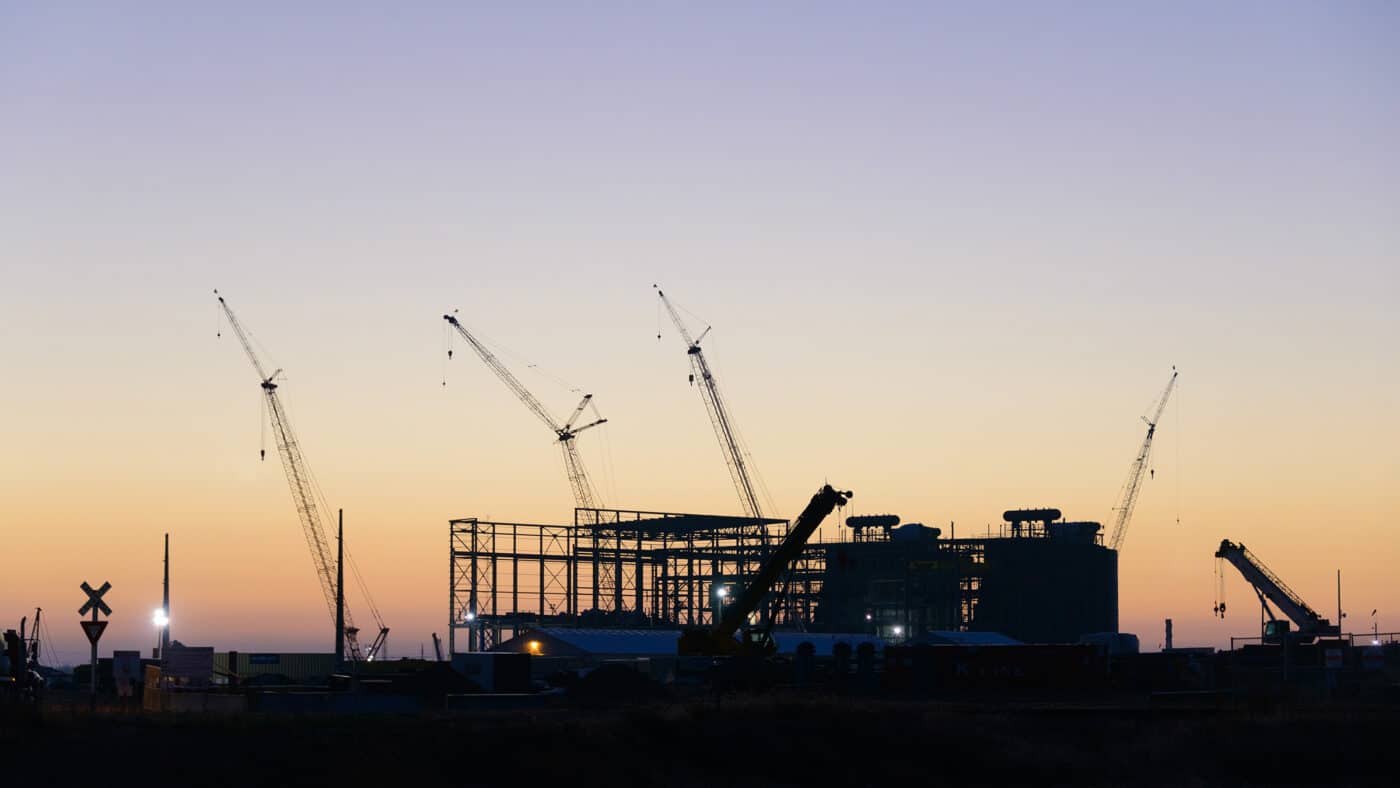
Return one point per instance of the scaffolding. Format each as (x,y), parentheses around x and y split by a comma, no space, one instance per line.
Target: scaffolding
(610,568)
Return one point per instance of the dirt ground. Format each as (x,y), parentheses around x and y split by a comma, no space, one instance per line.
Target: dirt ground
(768,741)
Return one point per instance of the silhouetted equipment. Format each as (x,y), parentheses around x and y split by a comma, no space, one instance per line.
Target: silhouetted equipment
(1085,531)
(31,641)
(718,639)
(861,521)
(1270,588)
(1129,494)
(725,430)
(1031,515)
(867,522)
(301,482)
(437,646)
(20,680)
(584,494)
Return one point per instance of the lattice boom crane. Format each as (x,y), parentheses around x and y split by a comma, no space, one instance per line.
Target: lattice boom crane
(725,430)
(584,495)
(1128,496)
(299,479)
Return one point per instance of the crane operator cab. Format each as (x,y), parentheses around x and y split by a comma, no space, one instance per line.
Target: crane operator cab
(1276,631)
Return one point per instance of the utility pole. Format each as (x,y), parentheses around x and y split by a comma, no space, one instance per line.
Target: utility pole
(165,604)
(1340,614)
(340,589)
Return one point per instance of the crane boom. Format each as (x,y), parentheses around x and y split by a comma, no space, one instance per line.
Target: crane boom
(719,637)
(1271,587)
(719,415)
(584,495)
(303,493)
(1128,496)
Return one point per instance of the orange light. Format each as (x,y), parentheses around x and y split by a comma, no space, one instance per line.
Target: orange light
(533,646)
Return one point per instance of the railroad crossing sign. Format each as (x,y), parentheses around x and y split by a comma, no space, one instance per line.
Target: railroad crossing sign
(95,600)
(93,628)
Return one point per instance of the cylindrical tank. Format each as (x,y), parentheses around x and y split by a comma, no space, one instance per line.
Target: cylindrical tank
(873,521)
(1031,515)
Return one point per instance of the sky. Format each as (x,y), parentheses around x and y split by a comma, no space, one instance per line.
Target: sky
(950,252)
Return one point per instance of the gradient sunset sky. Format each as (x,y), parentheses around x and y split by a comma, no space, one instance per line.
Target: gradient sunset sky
(950,254)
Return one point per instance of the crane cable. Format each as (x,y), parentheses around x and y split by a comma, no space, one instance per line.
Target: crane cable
(49,642)
(349,557)
(500,349)
(446,349)
(1178,456)
(324,507)
(761,487)
(315,485)
(606,451)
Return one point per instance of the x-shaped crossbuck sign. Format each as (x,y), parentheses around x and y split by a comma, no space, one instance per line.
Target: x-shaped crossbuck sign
(95,599)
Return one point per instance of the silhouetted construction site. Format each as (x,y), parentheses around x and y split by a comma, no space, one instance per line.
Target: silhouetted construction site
(1040,580)
(624,605)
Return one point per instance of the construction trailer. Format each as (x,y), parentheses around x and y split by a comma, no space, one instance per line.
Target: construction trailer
(1037,579)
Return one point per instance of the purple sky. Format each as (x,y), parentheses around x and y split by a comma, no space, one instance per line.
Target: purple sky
(941,244)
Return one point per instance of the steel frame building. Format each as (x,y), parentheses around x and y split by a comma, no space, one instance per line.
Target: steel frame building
(611,567)
(623,568)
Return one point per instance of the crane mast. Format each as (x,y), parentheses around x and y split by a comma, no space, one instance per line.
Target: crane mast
(303,494)
(1270,588)
(1128,496)
(719,415)
(584,495)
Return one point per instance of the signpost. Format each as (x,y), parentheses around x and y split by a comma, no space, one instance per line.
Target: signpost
(93,628)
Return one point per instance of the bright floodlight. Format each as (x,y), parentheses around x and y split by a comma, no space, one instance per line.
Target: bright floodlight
(898,631)
(722,592)
(159,618)
(471,616)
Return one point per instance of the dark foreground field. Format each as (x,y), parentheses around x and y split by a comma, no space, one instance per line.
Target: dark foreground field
(747,742)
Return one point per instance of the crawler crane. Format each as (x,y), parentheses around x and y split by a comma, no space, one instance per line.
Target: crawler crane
(301,482)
